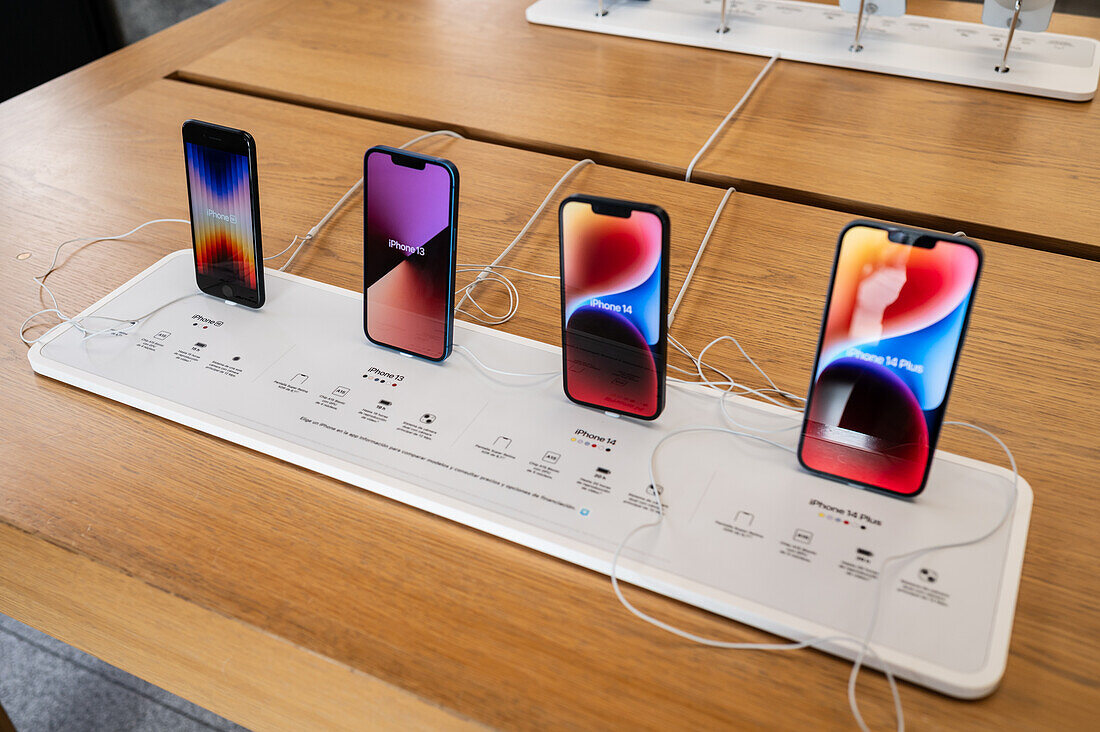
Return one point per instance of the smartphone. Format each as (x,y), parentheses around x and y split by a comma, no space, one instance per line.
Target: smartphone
(225,212)
(410,236)
(614,300)
(895,317)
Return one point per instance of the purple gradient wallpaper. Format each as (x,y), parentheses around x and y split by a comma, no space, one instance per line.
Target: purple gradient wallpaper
(612,277)
(892,331)
(408,265)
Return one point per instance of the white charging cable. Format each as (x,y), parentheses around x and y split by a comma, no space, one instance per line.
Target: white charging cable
(121,324)
(312,233)
(491,274)
(699,254)
(732,113)
(727,384)
(864,645)
(542,376)
(468,290)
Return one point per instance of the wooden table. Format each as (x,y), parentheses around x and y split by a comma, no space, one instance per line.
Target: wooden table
(1015,168)
(283,599)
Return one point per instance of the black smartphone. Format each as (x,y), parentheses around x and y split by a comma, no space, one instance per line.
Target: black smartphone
(895,317)
(410,237)
(614,304)
(225,212)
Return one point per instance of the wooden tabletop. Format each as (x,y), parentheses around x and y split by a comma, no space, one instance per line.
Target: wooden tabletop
(1016,168)
(215,543)
(284,599)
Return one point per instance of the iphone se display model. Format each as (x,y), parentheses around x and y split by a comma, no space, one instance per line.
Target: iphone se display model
(225,212)
(895,317)
(410,223)
(614,296)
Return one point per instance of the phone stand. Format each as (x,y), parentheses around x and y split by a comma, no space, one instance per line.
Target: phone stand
(956,52)
(748,534)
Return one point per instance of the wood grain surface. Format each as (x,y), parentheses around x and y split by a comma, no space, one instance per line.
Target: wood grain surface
(1015,168)
(191,531)
(252,676)
(34,113)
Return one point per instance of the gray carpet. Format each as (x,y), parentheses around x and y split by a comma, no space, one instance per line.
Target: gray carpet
(47,686)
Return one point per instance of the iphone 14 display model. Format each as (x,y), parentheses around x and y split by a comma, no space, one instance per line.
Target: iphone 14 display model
(895,317)
(225,212)
(614,300)
(410,230)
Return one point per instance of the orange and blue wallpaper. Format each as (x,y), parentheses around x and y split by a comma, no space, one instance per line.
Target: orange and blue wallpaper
(612,270)
(221,214)
(895,319)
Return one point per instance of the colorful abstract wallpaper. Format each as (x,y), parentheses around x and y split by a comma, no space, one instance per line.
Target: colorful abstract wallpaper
(893,327)
(221,215)
(612,293)
(408,255)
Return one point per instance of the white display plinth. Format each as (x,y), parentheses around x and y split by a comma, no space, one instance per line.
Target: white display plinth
(748,534)
(1041,64)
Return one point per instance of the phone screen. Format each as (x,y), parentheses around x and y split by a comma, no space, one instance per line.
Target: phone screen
(894,322)
(614,297)
(221,221)
(409,252)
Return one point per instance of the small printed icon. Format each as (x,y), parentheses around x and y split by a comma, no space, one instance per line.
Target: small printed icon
(162,335)
(383,403)
(584,512)
(427,418)
(603,472)
(802,536)
(502,442)
(198,346)
(928,575)
(551,457)
(340,391)
(864,555)
(299,379)
(660,489)
(743,518)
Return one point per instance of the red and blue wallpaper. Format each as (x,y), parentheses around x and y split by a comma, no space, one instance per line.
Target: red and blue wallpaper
(221,215)
(407,258)
(612,279)
(892,330)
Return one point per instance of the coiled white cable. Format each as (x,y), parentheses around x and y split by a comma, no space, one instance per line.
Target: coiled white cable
(495,264)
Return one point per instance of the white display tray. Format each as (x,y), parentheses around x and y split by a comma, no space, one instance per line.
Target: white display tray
(957,52)
(748,535)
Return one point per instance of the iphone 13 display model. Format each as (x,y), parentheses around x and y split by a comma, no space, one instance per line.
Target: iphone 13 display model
(614,300)
(895,317)
(410,230)
(224,198)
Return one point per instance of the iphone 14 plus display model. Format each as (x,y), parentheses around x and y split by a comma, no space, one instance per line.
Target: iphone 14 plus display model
(896,313)
(614,300)
(410,230)
(225,212)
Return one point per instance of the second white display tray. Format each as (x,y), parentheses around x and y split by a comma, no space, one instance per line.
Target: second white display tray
(748,534)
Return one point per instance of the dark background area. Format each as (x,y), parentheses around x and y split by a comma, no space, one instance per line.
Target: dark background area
(42,39)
